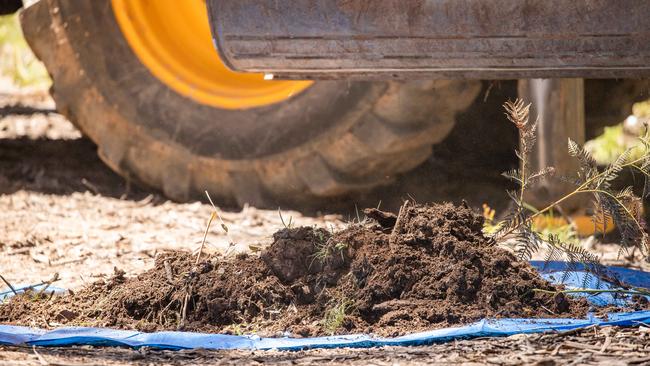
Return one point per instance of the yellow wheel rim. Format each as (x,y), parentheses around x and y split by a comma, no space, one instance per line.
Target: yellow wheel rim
(172,39)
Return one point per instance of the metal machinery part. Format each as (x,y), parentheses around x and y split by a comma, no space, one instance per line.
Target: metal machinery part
(558,105)
(497,39)
(175,44)
(477,39)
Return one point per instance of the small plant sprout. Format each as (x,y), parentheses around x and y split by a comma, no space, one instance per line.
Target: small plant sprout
(335,316)
(319,235)
(215,212)
(340,246)
(359,219)
(356,211)
(327,247)
(621,207)
(322,253)
(242,329)
(286,225)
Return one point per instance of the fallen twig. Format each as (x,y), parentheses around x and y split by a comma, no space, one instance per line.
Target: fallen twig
(398,223)
(8,284)
(634,291)
(639,360)
(168,272)
(205,236)
(90,186)
(231,242)
(47,284)
(606,344)
(286,226)
(188,293)
(594,348)
(41,359)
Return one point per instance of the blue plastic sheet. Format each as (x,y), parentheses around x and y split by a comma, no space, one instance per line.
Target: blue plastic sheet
(554,272)
(15,335)
(5,295)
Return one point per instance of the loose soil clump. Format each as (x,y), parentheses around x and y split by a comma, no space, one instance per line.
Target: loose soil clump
(428,267)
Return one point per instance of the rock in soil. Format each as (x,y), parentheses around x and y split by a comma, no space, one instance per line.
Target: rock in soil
(428,267)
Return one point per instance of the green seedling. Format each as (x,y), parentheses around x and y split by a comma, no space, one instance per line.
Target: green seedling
(335,316)
(16,58)
(288,224)
(620,206)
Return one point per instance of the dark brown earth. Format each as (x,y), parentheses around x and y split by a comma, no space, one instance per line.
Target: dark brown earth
(428,267)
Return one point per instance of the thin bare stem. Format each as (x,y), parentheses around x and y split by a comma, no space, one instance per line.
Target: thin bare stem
(205,236)
(186,300)
(47,284)
(399,222)
(641,170)
(635,291)
(523,173)
(544,210)
(9,285)
(223,225)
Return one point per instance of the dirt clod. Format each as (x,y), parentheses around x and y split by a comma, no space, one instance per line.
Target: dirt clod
(437,270)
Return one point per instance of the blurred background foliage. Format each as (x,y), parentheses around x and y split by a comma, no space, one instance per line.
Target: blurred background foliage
(616,139)
(18,64)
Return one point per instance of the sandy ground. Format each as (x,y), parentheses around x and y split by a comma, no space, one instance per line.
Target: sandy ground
(62,211)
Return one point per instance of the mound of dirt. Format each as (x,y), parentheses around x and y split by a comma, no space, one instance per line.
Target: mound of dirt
(428,267)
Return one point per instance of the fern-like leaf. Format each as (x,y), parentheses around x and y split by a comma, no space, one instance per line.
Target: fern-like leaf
(528,242)
(553,254)
(622,207)
(539,175)
(517,112)
(513,175)
(511,222)
(614,169)
(588,166)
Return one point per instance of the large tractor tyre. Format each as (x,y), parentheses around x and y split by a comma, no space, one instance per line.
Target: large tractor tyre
(116,77)
(10,6)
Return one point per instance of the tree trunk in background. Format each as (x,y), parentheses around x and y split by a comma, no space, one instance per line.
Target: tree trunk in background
(558,104)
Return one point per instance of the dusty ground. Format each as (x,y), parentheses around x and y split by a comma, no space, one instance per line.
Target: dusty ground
(62,210)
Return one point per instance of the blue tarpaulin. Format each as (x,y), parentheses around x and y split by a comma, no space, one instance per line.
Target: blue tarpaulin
(16,335)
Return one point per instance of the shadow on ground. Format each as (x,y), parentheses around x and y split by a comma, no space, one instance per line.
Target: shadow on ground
(60,167)
(466,166)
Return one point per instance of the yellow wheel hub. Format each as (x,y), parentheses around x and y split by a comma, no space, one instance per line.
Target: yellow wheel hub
(172,39)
